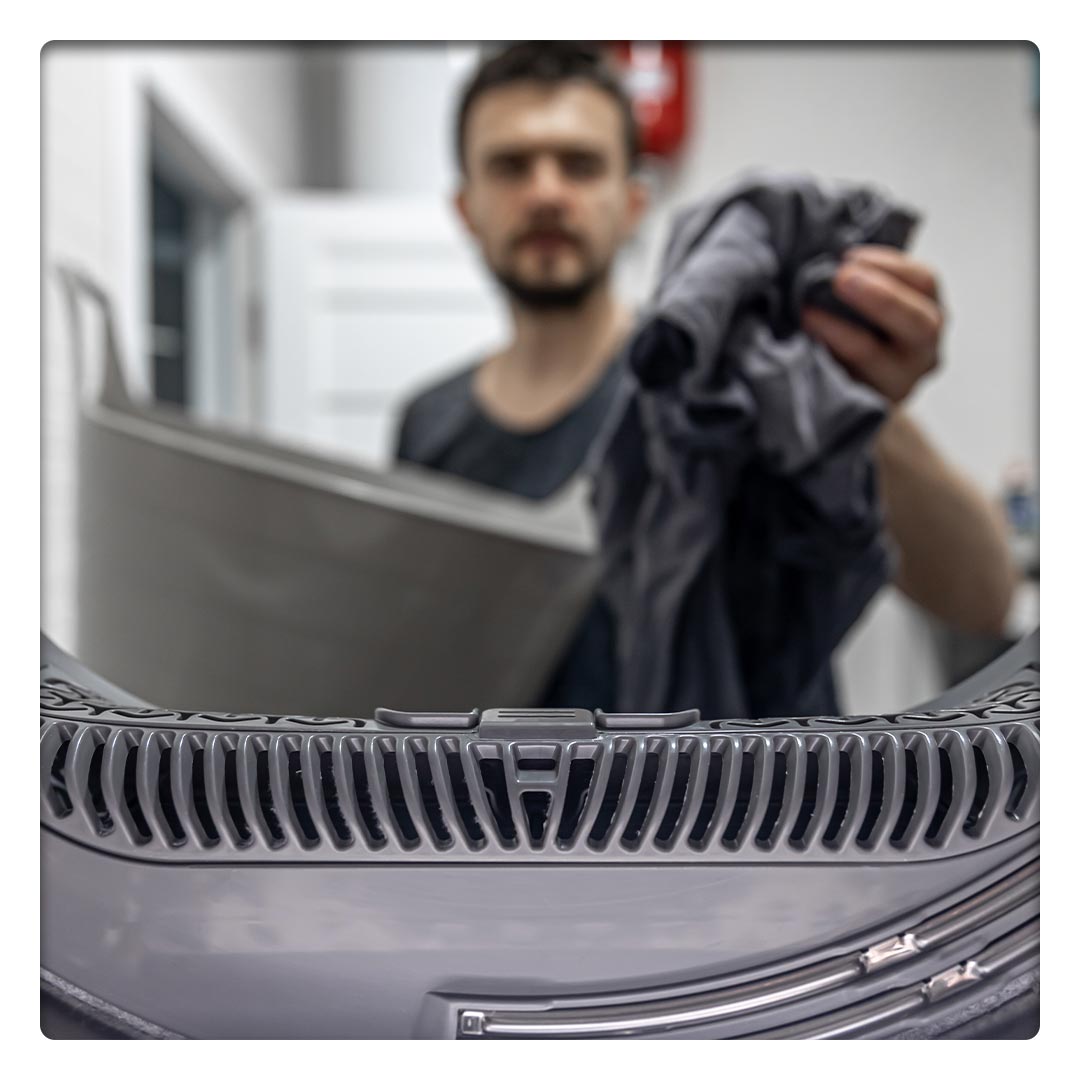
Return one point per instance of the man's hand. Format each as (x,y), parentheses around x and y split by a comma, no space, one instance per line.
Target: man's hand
(953,543)
(897,294)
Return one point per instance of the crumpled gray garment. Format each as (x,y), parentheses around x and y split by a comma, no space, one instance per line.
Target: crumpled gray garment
(735,486)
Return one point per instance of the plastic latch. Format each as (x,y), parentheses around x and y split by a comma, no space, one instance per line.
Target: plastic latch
(427,721)
(647,721)
(537,723)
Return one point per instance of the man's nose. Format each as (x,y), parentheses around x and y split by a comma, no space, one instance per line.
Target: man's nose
(547,185)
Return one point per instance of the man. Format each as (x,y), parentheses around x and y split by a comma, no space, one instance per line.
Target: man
(546,147)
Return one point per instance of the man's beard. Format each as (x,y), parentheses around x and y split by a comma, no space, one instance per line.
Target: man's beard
(563,297)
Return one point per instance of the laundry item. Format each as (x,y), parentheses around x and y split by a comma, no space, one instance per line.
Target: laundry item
(735,484)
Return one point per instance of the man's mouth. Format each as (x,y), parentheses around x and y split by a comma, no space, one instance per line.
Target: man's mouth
(547,239)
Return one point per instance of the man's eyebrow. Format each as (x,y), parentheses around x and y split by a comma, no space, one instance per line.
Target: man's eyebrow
(527,149)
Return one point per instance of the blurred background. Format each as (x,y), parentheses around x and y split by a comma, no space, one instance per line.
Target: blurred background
(273,227)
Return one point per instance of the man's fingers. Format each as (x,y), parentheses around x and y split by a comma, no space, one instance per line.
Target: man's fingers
(848,341)
(905,314)
(898,263)
(860,352)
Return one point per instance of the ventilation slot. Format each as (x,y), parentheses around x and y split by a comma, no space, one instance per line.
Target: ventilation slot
(233,806)
(677,800)
(342,833)
(536,764)
(776,801)
(266,798)
(430,797)
(396,796)
(364,803)
(809,801)
(911,798)
(945,795)
(466,810)
(631,836)
(131,796)
(59,798)
(610,802)
(494,780)
(1019,782)
(198,794)
(577,791)
(843,797)
(537,806)
(708,800)
(982,791)
(97,797)
(298,798)
(730,838)
(877,797)
(177,835)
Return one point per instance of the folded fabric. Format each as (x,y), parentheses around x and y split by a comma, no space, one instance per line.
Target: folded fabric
(735,486)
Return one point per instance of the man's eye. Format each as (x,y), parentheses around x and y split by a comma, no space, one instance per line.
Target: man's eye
(582,166)
(507,167)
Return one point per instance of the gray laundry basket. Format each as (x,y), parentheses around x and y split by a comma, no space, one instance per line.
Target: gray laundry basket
(220,569)
(544,874)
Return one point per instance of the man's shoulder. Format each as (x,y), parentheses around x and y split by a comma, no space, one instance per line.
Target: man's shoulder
(458,384)
(434,409)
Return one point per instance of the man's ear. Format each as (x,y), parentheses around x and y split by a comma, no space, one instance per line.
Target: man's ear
(637,202)
(461,205)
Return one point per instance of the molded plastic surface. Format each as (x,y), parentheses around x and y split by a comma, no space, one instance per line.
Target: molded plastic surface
(527,785)
(306,945)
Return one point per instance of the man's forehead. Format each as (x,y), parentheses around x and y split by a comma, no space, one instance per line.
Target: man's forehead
(524,116)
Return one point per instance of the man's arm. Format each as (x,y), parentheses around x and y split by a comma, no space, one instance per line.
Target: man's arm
(954,554)
(953,542)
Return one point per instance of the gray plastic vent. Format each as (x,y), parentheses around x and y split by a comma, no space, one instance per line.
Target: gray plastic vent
(239,796)
(521,785)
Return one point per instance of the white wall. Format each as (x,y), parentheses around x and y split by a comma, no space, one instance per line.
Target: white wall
(242,106)
(396,118)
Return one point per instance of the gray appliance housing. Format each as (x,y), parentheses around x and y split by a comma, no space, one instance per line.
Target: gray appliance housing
(895,896)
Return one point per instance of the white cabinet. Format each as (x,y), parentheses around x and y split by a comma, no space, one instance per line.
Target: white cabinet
(365,299)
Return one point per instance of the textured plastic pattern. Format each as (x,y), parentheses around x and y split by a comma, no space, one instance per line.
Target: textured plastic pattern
(531,784)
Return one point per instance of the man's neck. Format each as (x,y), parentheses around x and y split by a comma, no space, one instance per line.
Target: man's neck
(553,361)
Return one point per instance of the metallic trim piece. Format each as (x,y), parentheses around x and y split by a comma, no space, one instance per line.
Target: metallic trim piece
(902,947)
(956,978)
(723,1004)
(1013,948)
(645,1017)
(472,1022)
(982,907)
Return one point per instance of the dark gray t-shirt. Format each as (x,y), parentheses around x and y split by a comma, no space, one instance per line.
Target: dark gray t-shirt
(443,428)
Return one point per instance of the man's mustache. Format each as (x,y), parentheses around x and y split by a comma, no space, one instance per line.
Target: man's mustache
(547,232)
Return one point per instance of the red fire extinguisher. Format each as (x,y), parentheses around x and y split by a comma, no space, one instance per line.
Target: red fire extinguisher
(656,77)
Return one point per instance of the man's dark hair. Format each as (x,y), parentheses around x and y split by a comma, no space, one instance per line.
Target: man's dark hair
(549,63)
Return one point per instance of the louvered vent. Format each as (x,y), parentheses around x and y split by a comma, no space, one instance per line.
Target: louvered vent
(759,796)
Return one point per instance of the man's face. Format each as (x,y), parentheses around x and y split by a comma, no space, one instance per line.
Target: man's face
(546,191)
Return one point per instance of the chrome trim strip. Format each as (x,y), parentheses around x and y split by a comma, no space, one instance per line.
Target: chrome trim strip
(638,1018)
(1014,947)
